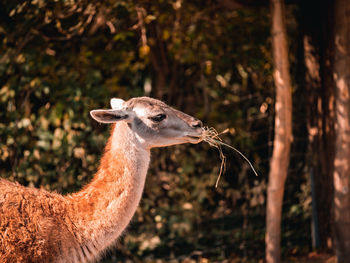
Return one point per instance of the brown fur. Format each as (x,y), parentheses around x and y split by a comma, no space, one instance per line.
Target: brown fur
(29,223)
(39,226)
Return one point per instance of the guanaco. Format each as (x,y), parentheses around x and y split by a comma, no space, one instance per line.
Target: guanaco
(41,226)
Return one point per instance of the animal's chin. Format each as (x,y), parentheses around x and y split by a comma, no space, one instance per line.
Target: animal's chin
(194,139)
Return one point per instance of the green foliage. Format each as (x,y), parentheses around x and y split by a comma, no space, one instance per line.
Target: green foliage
(61,59)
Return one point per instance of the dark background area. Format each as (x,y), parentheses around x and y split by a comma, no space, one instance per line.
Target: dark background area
(210,59)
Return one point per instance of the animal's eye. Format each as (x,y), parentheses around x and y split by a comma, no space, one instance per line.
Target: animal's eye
(158,118)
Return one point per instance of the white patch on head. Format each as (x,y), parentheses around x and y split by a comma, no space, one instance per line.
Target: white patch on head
(140,112)
(117,104)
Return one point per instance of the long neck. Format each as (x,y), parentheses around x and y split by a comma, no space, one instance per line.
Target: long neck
(103,209)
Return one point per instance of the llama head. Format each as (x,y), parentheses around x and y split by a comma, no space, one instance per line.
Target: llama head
(154,123)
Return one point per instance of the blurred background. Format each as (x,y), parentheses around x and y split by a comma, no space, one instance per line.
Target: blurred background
(212,59)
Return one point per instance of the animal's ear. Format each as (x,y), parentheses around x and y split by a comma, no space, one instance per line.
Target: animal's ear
(110,116)
(117,104)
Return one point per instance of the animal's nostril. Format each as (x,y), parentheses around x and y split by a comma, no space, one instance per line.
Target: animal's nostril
(197,124)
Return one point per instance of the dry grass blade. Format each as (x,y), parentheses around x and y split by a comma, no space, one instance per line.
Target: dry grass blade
(211,136)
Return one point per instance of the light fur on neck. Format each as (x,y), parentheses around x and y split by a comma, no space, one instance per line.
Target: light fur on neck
(103,209)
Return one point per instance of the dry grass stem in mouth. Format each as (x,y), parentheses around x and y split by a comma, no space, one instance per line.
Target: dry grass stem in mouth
(211,136)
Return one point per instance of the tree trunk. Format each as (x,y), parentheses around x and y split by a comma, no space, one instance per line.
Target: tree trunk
(316,28)
(283,133)
(160,62)
(341,175)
